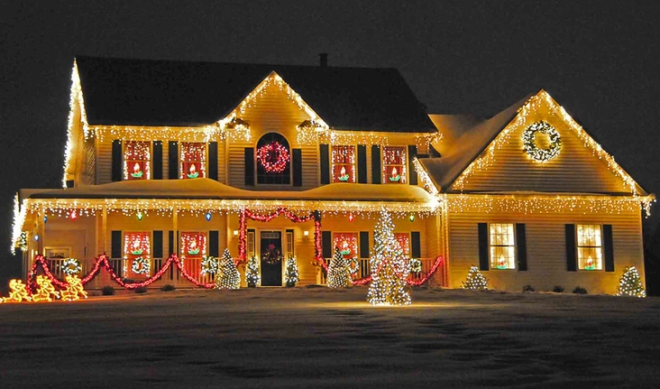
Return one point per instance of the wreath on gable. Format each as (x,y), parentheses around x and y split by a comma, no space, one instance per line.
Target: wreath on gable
(272,255)
(141,265)
(273,157)
(529,142)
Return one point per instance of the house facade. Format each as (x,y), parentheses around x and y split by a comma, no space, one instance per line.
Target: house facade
(171,158)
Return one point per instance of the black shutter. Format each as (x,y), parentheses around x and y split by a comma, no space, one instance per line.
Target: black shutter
(412,153)
(324,155)
(608,247)
(249,166)
(115,244)
(158,160)
(117,163)
(364,244)
(214,243)
(170,242)
(375,164)
(173,160)
(483,246)
(571,261)
(158,244)
(69,183)
(362,164)
(213,161)
(415,244)
(326,244)
(296,159)
(521,242)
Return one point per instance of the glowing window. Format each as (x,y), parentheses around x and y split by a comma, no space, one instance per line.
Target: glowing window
(502,246)
(394,165)
(589,247)
(403,238)
(137,158)
(347,243)
(136,245)
(193,160)
(343,163)
(193,244)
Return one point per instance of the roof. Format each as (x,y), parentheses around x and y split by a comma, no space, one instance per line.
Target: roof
(464,143)
(208,189)
(176,93)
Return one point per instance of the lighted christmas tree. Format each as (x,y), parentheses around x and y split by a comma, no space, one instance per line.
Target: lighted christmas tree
(228,278)
(475,280)
(252,272)
(291,273)
(389,268)
(338,271)
(631,283)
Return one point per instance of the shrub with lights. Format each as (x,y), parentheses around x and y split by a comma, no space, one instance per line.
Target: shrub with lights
(228,278)
(631,283)
(291,273)
(475,280)
(339,271)
(252,272)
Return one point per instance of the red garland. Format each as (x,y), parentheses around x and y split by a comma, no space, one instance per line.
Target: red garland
(273,157)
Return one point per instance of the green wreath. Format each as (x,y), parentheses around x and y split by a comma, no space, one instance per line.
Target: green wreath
(141,265)
(529,142)
(71,266)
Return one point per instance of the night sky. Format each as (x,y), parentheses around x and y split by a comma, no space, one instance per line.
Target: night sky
(597,59)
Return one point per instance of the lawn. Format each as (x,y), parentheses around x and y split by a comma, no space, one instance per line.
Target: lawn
(320,338)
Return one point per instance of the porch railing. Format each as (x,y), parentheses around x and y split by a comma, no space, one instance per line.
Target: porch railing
(364,271)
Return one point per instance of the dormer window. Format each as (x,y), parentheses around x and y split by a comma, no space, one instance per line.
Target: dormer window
(137,160)
(273,160)
(394,165)
(193,160)
(343,163)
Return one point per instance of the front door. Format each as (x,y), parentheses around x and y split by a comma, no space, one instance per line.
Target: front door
(271,258)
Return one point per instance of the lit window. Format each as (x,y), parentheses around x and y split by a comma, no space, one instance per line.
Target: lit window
(136,245)
(589,245)
(347,242)
(403,239)
(502,246)
(394,165)
(343,163)
(193,160)
(193,249)
(137,157)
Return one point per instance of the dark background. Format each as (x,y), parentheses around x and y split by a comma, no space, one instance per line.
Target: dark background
(597,59)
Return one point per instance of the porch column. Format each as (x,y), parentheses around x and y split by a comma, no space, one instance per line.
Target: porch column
(41,230)
(104,230)
(175,229)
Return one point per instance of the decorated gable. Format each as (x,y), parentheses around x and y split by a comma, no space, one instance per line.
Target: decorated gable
(544,150)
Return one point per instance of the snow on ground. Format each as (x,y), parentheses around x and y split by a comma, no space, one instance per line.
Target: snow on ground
(320,338)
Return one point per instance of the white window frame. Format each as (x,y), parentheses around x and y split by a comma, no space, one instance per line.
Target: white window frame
(493,251)
(598,250)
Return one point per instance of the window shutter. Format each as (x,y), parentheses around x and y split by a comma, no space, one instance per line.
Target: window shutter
(326,244)
(69,183)
(157,160)
(571,260)
(170,243)
(214,243)
(158,244)
(521,249)
(362,164)
(115,244)
(249,166)
(324,155)
(117,163)
(412,153)
(213,161)
(297,167)
(483,247)
(173,160)
(375,164)
(364,244)
(608,247)
(415,244)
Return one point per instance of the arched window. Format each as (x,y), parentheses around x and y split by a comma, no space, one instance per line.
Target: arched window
(273,160)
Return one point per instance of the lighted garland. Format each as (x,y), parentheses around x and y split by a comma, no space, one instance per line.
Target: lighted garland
(529,142)
(141,265)
(273,157)
(71,266)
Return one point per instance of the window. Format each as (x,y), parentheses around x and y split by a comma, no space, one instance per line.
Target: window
(502,246)
(403,238)
(137,158)
(193,249)
(136,247)
(394,165)
(273,156)
(347,242)
(343,163)
(589,247)
(193,160)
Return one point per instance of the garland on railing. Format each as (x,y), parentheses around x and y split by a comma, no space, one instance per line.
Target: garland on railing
(102,261)
(438,261)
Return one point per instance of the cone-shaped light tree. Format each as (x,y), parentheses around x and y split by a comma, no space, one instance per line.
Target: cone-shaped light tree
(338,271)
(389,267)
(291,272)
(228,278)
(252,272)
(631,283)
(475,280)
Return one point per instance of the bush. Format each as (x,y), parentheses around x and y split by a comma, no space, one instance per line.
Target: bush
(558,289)
(141,289)
(579,290)
(528,288)
(108,290)
(168,288)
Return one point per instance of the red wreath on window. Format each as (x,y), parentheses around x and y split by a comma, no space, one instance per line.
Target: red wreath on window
(273,157)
